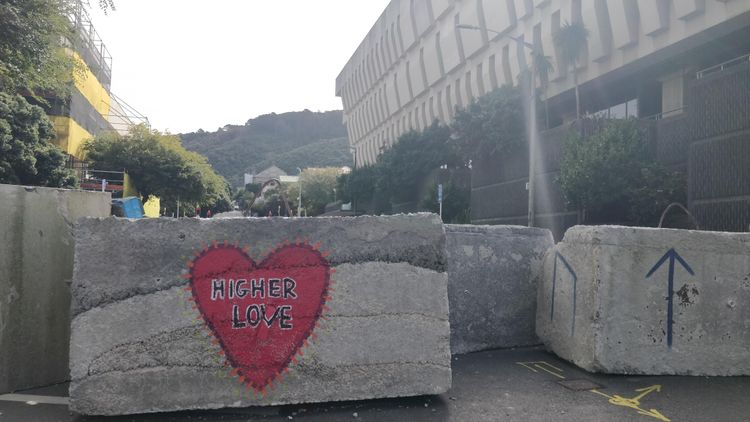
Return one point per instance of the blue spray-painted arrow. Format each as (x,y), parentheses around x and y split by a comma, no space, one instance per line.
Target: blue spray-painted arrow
(672,255)
(558,256)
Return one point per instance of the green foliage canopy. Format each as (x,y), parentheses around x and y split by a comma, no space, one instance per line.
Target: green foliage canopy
(416,154)
(359,185)
(492,124)
(159,165)
(613,175)
(26,154)
(318,185)
(31,58)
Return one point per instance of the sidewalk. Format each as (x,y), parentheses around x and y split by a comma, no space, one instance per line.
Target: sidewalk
(502,385)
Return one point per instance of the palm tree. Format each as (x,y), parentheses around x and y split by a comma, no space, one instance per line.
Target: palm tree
(571,39)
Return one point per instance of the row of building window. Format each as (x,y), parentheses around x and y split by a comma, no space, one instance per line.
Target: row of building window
(379,108)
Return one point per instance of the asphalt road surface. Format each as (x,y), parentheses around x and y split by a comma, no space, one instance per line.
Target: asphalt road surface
(501,385)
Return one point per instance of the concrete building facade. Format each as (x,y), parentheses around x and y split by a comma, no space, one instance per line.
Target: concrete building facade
(680,68)
(415,66)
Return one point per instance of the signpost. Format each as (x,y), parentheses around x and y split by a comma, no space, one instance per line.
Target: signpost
(440,199)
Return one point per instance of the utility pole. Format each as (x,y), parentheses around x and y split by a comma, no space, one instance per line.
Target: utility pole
(533,133)
(299,197)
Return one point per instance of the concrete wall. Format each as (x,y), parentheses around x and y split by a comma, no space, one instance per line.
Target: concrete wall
(414,66)
(142,343)
(493,273)
(36,265)
(648,301)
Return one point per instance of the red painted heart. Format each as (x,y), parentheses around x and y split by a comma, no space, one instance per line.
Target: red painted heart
(261,314)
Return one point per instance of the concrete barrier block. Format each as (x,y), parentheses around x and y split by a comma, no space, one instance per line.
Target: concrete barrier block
(493,273)
(648,301)
(36,265)
(286,311)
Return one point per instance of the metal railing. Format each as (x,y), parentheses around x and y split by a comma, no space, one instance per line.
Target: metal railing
(664,114)
(722,66)
(103,181)
(89,40)
(122,116)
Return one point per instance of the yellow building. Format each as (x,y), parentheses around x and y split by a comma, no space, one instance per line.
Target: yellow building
(91,108)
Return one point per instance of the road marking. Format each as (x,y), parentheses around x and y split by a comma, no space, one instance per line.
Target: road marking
(32,399)
(543,366)
(635,402)
(632,403)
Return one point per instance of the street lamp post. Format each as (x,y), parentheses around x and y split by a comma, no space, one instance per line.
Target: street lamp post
(532,132)
(299,197)
(354,201)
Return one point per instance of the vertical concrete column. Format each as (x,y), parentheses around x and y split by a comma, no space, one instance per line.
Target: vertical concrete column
(36,266)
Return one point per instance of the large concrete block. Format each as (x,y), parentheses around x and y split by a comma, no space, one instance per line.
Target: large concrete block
(493,274)
(648,301)
(36,265)
(157,326)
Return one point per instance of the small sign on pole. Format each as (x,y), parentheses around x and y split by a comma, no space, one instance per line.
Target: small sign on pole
(440,199)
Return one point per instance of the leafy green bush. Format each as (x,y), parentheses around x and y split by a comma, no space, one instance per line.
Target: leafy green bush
(456,199)
(613,175)
(27,155)
(359,185)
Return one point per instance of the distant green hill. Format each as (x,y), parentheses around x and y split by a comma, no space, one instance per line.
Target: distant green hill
(288,140)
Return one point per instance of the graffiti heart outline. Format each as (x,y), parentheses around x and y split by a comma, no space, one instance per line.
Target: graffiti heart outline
(229,353)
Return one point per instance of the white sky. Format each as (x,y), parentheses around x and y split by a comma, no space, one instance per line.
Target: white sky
(193,64)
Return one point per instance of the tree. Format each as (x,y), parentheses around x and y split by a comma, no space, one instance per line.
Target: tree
(318,185)
(456,198)
(26,154)
(275,201)
(359,185)
(571,39)
(158,165)
(404,166)
(244,200)
(492,124)
(31,58)
(613,176)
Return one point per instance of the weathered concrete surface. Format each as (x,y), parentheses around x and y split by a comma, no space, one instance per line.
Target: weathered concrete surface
(36,263)
(604,303)
(138,346)
(493,274)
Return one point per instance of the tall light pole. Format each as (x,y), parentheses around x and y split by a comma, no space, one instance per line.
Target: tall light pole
(533,133)
(353,150)
(299,197)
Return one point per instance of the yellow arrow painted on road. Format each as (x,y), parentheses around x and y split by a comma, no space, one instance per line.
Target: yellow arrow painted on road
(635,402)
(654,414)
(646,391)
